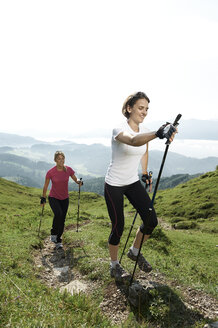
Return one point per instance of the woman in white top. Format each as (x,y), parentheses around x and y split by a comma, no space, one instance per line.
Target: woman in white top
(129,148)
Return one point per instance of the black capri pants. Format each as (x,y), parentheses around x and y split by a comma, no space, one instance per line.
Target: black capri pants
(139,198)
(59,208)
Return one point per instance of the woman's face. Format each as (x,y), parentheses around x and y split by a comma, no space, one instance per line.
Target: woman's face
(60,160)
(139,111)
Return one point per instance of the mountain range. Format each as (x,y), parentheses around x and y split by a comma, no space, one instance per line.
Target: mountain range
(188,129)
(26,160)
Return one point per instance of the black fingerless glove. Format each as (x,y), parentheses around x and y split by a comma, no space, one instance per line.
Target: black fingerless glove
(42,200)
(168,131)
(160,131)
(145,177)
(165,131)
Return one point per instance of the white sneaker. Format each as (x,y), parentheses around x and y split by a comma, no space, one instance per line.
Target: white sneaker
(53,238)
(58,245)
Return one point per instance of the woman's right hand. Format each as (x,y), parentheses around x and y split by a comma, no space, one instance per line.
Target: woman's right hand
(166,131)
(42,201)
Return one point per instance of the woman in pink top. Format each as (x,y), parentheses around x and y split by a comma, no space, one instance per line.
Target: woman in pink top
(58,196)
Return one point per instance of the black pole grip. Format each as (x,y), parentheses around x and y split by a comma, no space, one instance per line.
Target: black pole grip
(81,180)
(177,119)
(175,123)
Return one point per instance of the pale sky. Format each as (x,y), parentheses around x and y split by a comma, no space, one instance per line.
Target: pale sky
(67,66)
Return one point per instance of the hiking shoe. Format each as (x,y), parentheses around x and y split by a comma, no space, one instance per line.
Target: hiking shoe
(142,263)
(53,238)
(119,273)
(58,245)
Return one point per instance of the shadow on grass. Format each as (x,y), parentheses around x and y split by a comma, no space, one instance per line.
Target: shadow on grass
(159,306)
(61,257)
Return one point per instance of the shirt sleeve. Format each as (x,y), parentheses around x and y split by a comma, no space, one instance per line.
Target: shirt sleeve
(48,175)
(116,132)
(71,171)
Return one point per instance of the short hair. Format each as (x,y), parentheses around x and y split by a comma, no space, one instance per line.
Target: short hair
(131,100)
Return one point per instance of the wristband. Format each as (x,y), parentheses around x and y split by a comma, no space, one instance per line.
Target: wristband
(43,200)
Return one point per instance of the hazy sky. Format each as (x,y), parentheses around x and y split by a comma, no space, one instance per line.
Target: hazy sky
(67,66)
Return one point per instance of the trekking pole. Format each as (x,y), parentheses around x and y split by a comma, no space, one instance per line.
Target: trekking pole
(133,222)
(78,208)
(129,235)
(154,194)
(150,180)
(41,219)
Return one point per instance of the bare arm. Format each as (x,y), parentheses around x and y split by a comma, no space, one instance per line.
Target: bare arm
(44,191)
(146,178)
(138,140)
(144,162)
(76,180)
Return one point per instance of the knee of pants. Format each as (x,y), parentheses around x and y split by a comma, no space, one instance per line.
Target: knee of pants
(114,238)
(148,227)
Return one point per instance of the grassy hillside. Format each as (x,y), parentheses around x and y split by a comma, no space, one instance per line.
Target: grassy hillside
(182,256)
(194,203)
(24,300)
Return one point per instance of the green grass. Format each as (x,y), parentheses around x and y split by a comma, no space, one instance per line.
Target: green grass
(186,259)
(193,200)
(187,256)
(25,301)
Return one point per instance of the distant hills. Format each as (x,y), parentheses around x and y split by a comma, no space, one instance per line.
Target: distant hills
(26,161)
(188,129)
(14,140)
(92,169)
(194,129)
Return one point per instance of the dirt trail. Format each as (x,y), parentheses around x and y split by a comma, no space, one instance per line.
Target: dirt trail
(56,270)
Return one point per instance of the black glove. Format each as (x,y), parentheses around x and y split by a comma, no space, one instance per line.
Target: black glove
(165,131)
(145,177)
(43,200)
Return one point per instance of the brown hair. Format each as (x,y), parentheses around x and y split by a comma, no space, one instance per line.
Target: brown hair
(131,100)
(57,153)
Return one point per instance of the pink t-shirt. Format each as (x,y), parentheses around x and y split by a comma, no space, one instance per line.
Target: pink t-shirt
(59,179)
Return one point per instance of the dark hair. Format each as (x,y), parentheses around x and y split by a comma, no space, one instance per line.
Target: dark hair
(131,100)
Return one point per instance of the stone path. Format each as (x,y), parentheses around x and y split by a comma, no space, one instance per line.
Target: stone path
(56,270)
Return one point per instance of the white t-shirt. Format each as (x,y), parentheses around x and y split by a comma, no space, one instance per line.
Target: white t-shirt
(123,169)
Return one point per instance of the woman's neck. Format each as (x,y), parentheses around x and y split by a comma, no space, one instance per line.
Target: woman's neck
(60,168)
(134,126)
